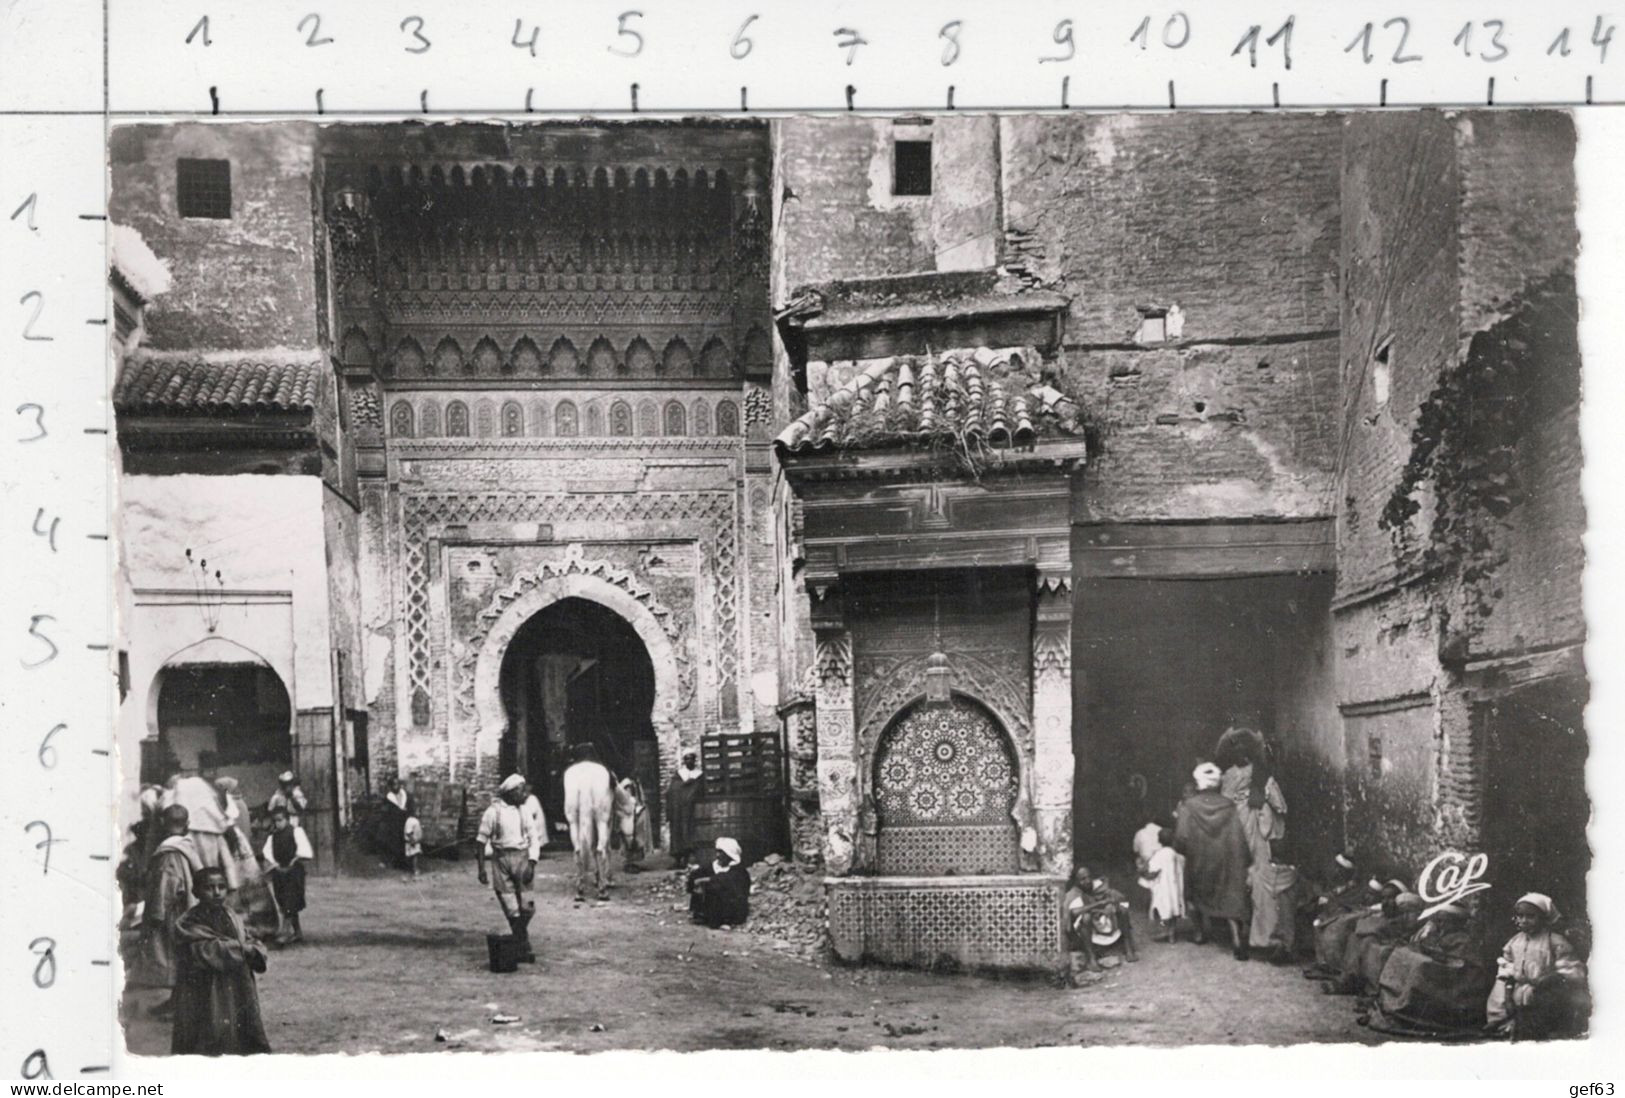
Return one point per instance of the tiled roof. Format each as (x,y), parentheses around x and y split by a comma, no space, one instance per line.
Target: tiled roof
(997,397)
(178,385)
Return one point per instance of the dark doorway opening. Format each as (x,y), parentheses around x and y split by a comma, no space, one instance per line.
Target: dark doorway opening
(1535,805)
(222,719)
(577,673)
(1163,667)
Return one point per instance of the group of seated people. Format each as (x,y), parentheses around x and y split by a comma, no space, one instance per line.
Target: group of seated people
(1423,970)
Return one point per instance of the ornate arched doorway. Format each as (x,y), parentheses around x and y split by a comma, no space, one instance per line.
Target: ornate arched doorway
(946,783)
(613,590)
(577,673)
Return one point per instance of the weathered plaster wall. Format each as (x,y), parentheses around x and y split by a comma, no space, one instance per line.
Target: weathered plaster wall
(841,220)
(244,283)
(266,536)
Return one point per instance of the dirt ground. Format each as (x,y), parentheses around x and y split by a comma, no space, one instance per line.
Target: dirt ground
(388,963)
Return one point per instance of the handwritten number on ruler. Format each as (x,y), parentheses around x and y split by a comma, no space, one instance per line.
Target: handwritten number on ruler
(1363,41)
(39,305)
(530,43)
(1249,42)
(1560,45)
(1176,32)
(624,31)
(416,23)
(314,38)
(950,41)
(1602,42)
(46,751)
(740,47)
(28,204)
(36,1066)
(38,412)
(33,631)
(1464,39)
(203,26)
(1063,37)
(49,532)
(849,40)
(44,844)
(45,967)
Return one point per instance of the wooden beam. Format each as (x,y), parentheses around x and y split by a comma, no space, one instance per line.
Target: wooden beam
(1196,550)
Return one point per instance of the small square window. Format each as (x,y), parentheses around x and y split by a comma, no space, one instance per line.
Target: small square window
(911,167)
(203,188)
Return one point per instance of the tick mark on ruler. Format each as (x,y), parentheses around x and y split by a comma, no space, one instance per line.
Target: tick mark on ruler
(950,97)
(1275,94)
(97,647)
(1382,93)
(93,320)
(1171,104)
(851,93)
(1588,91)
(101,964)
(92,217)
(214,99)
(320,107)
(99,751)
(1489,95)
(95,430)
(94,1069)
(101,857)
(97,537)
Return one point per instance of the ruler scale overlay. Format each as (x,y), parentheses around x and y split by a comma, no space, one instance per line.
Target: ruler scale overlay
(69,69)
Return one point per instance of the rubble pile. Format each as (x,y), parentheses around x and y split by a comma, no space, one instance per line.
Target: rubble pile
(786,903)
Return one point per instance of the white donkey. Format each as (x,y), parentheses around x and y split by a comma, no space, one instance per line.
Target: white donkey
(589,806)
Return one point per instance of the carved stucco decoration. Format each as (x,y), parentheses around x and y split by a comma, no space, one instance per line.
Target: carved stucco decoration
(479,692)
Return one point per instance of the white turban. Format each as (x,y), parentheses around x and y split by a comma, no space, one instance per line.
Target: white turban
(1343,860)
(510,783)
(730,848)
(285,776)
(1207,776)
(1539,900)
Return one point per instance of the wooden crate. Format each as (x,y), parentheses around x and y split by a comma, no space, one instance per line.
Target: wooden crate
(442,808)
(742,765)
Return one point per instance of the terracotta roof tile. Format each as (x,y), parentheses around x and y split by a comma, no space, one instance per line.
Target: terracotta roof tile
(995,396)
(179,385)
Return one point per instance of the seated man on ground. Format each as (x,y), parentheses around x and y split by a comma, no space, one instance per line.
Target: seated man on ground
(1097,920)
(719,891)
(1337,904)
(1434,985)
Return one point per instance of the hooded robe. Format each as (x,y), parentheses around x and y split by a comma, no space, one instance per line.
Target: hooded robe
(1210,836)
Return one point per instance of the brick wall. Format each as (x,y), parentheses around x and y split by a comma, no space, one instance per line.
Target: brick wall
(1518,234)
(1234,218)
(244,283)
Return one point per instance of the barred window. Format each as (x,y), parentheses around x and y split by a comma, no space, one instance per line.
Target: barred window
(203,188)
